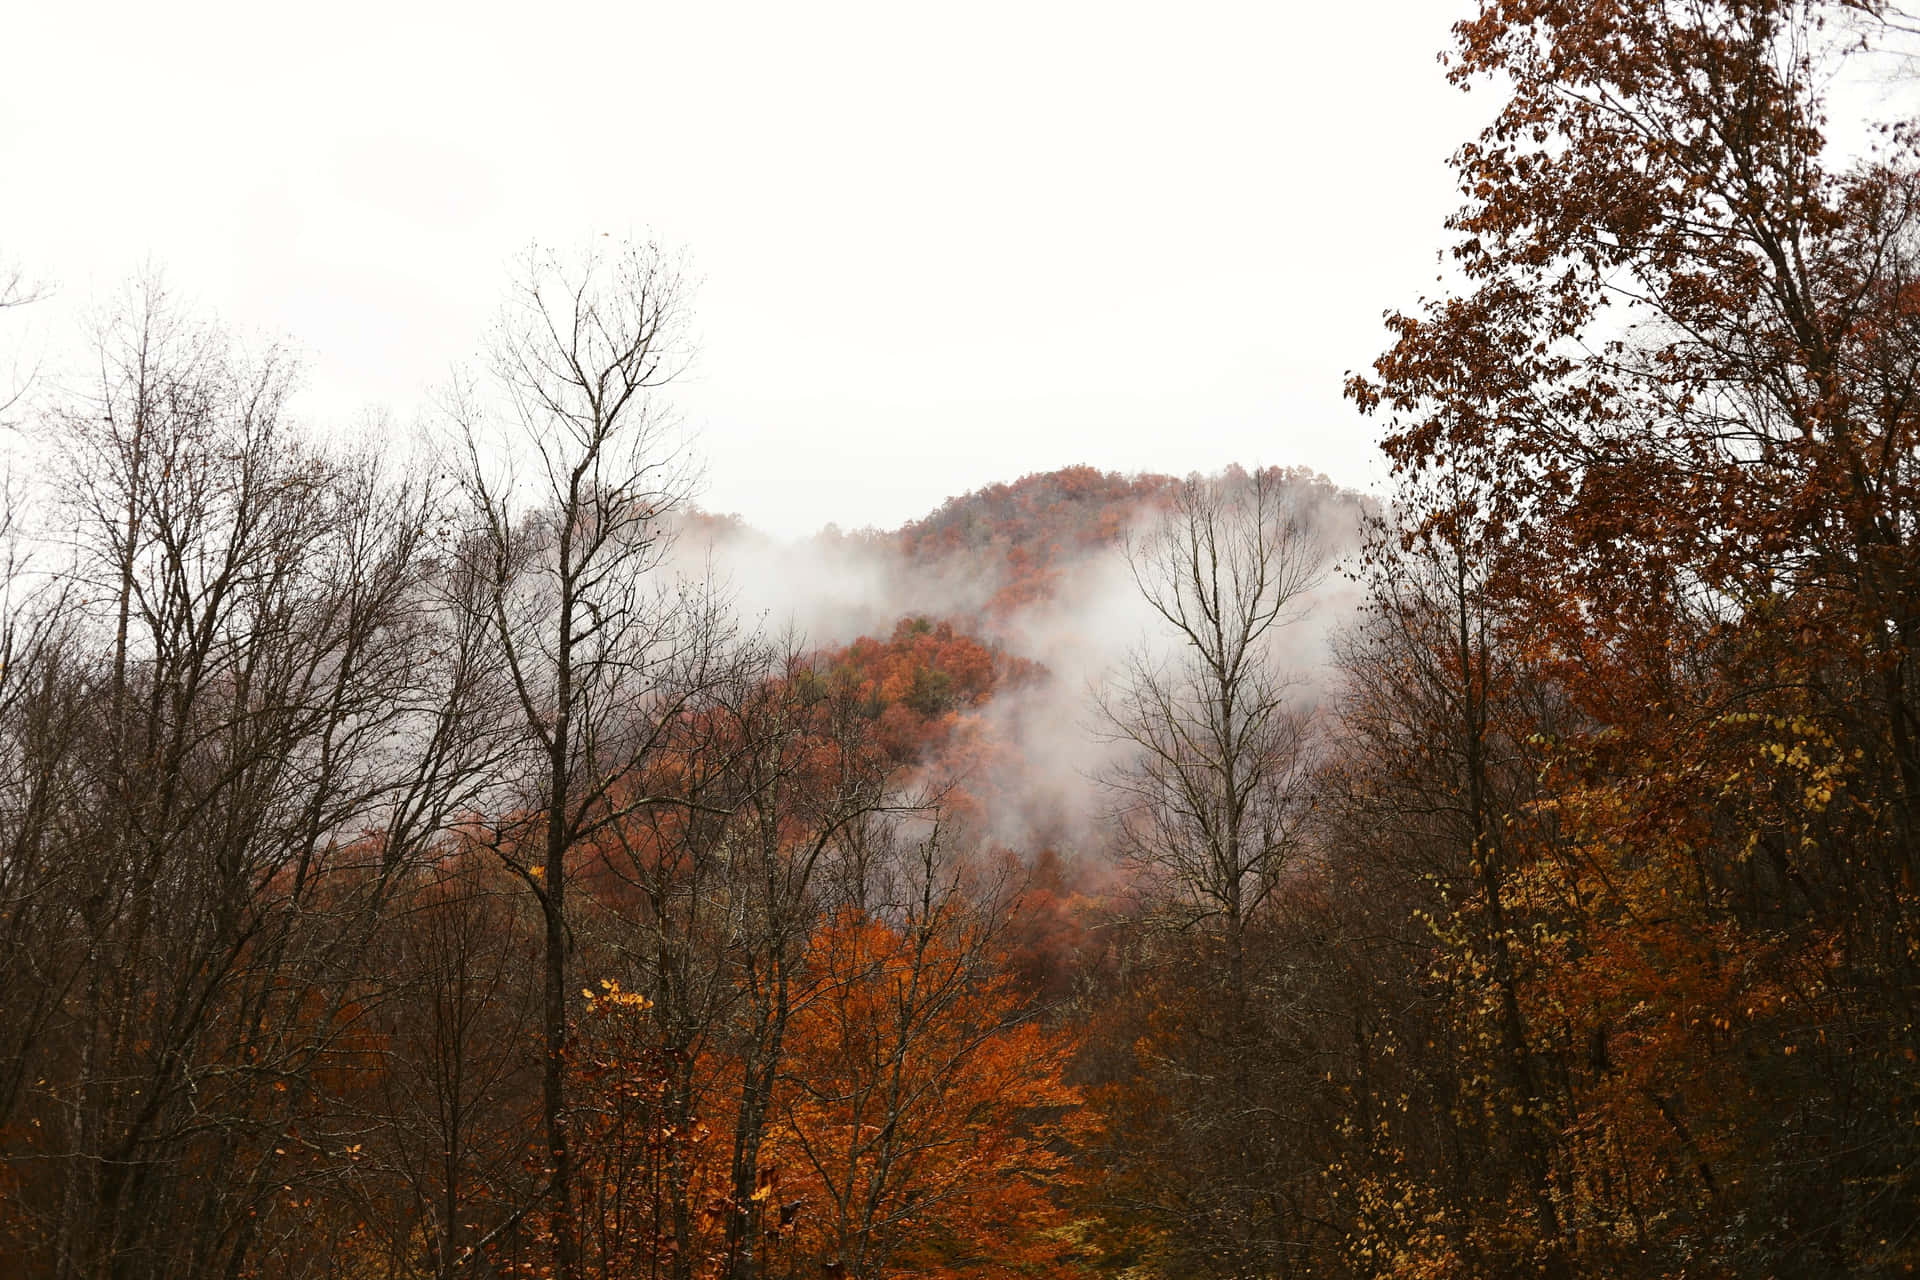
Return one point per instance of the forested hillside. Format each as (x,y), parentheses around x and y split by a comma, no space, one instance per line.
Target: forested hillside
(470,859)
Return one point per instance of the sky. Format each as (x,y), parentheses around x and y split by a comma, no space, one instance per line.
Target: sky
(934,246)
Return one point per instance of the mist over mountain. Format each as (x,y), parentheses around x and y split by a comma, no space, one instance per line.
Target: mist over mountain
(1036,570)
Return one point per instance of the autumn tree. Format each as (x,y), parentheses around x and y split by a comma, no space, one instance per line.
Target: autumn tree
(923,1111)
(1676,387)
(1434,848)
(713,893)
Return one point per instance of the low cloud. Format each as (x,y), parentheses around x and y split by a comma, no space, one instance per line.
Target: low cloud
(834,587)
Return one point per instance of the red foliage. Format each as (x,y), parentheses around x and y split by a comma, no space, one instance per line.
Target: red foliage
(921,681)
(1027,534)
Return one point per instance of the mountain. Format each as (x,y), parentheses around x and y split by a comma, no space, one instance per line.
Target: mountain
(978,629)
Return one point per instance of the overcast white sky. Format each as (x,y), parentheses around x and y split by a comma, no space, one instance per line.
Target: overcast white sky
(937,246)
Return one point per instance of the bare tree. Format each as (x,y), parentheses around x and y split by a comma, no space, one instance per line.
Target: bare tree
(448,1126)
(16,290)
(206,744)
(1210,801)
(567,531)
(1209,798)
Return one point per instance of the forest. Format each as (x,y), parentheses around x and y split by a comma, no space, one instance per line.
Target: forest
(443,857)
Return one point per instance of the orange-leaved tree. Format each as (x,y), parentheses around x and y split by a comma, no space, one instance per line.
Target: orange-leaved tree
(924,1116)
(1672,412)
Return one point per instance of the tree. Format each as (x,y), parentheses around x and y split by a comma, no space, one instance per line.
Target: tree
(1209,801)
(923,1109)
(1677,385)
(1429,811)
(16,290)
(450,1114)
(714,894)
(197,750)
(1210,805)
(562,567)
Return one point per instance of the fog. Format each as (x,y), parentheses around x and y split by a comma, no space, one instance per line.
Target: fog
(1043,790)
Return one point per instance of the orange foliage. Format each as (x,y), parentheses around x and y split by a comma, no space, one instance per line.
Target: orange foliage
(1027,534)
(924,1116)
(922,685)
(920,1121)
